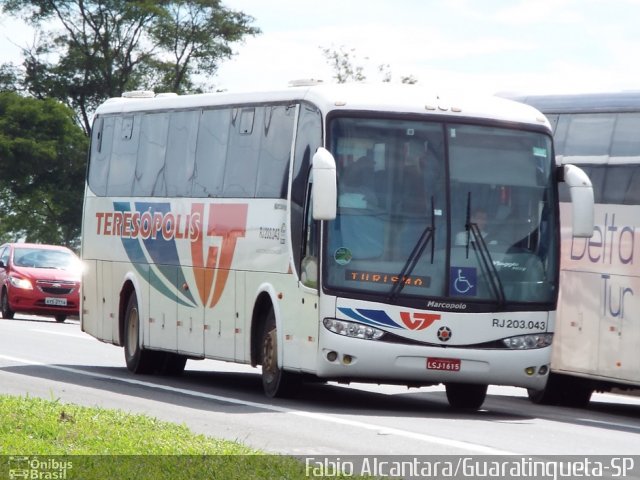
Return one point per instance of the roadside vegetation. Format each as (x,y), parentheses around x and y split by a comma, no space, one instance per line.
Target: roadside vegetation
(96,443)
(84,52)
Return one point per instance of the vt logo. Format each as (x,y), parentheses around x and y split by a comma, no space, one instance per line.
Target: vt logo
(211,267)
(150,229)
(418,321)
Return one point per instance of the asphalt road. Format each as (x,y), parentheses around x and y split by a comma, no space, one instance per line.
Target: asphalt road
(42,358)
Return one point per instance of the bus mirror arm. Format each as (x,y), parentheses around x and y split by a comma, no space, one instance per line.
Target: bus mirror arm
(581,192)
(325,194)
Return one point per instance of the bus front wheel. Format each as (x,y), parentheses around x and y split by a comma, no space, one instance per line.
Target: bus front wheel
(275,381)
(466,396)
(138,360)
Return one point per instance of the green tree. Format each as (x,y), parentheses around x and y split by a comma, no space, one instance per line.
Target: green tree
(105,47)
(9,77)
(42,169)
(347,66)
(344,64)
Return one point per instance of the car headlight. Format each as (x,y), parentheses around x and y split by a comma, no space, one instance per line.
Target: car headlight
(352,329)
(530,341)
(21,283)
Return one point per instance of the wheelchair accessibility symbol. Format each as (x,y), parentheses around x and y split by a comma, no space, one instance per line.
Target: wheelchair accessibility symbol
(463,281)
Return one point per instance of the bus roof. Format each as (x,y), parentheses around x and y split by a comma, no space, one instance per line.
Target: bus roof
(583,102)
(331,97)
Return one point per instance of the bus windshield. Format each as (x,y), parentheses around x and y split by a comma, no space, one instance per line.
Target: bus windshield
(439,210)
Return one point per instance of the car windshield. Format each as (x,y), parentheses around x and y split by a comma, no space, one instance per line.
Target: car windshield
(44,258)
(429,209)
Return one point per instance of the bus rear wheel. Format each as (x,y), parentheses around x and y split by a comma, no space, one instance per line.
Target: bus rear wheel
(466,396)
(275,381)
(138,360)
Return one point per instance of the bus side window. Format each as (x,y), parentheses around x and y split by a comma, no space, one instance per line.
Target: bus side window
(101,146)
(122,166)
(616,180)
(243,152)
(149,170)
(275,151)
(211,152)
(181,152)
(632,195)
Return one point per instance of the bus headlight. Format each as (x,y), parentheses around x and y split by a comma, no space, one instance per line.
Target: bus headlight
(352,329)
(530,341)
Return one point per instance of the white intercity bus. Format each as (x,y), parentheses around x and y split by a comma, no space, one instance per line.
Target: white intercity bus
(333,232)
(597,340)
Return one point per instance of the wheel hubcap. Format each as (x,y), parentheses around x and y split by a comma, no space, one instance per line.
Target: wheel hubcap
(132,337)
(269,360)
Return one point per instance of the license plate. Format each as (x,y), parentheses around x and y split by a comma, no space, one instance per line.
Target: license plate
(448,364)
(60,302)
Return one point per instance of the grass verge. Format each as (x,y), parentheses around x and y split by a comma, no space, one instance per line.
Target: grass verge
(66,441)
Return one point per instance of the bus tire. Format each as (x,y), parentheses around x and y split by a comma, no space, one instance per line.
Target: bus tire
(551,394)
(466,396)
(138,360)
(576,392)
(275,381)
(171,364)
(577,397)
(541,397)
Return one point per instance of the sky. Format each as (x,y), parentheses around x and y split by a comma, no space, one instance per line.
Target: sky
(482,46)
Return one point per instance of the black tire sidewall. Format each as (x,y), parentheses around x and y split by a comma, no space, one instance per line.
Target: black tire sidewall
(466,396)
(270,380)
(132,358)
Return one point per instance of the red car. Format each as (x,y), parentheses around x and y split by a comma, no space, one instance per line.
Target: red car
(39,280)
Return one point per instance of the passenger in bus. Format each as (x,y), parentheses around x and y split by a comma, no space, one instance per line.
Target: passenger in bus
(358,226)
(356,185)
(478,217)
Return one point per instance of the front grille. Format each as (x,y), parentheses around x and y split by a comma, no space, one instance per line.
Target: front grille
(56,288)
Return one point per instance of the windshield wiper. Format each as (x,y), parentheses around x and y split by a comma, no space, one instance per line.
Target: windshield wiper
(426,237)
(485,255)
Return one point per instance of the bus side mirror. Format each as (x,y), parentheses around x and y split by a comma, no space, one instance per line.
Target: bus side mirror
(325,190)
(581,192)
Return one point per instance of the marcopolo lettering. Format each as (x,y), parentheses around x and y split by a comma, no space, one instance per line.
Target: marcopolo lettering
(448,306)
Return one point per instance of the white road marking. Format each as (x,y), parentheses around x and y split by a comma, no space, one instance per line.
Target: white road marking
(472,447)
(64,334)
(607,424)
